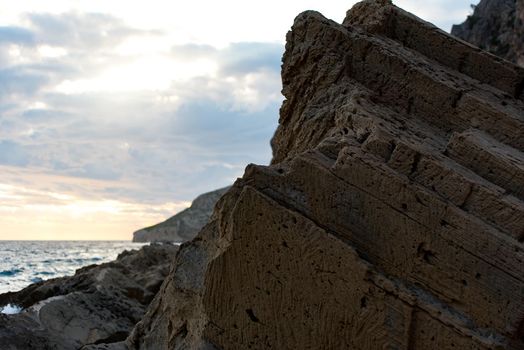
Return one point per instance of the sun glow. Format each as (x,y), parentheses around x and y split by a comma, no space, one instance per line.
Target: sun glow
(146,73)
(47,51)
(29,213)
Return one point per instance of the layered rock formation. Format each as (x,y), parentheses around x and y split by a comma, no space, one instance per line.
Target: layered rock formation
(391,216)
(496,26)
(99,304)
(185,225)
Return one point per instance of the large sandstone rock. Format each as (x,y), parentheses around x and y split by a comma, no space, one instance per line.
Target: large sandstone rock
(99,304)
(496,26)
(185,225)
(391,216)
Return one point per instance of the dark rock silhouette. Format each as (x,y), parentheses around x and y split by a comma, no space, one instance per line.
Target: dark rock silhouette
(496,26)
(391,216)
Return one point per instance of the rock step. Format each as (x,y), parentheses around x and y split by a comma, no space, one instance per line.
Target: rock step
(447,220)
(425,242)
(442,97)
(294,250)
(432,42)
(399,77)
(461,186)
(402,79)
(490,159)
(414,149)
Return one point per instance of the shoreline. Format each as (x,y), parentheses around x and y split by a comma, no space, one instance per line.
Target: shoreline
(27,262)
(98,303)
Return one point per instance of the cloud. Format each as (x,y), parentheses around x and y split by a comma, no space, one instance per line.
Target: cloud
(21,81)
(52,48)
(12,153)
(191,51)
(98,171)
(235,58)
(154,146)
(243,58)
(43,116)
(247,77)
(79,30)
(16,35)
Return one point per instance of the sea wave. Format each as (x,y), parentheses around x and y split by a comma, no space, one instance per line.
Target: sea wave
(26,262)
(11,272)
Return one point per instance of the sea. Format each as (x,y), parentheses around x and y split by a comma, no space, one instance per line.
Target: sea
(25,262)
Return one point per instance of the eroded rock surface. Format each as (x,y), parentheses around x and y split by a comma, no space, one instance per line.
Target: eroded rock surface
(99,304)
(496,26)
(185,225)
(391,216)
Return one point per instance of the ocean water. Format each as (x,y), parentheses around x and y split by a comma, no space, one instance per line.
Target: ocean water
(26,262)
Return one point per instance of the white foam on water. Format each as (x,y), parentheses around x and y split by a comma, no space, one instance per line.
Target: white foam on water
(10,309)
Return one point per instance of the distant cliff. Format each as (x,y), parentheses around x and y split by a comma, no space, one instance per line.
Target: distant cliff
(184,225)
(496,26)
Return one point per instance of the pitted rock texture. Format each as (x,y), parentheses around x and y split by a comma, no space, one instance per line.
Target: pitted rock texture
(496,26)
(99,304)
(185,225)
(391,216)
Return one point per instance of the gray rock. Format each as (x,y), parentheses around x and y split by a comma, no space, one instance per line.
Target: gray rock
(99,304)
(185,225)
(111,346)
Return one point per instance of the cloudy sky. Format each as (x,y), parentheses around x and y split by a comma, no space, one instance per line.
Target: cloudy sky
(116,114)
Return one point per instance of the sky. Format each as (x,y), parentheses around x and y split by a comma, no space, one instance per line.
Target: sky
(115,114)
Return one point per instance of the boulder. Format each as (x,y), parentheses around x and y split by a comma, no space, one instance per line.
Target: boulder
(391,215)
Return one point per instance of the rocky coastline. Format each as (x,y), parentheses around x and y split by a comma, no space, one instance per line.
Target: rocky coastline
(99,304)
(391,215)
